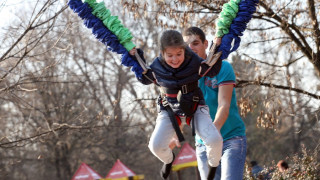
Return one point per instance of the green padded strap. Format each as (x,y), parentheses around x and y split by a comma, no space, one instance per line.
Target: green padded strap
(112,23)
(228,13)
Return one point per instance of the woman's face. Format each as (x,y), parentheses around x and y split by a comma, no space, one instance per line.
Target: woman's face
(174,56)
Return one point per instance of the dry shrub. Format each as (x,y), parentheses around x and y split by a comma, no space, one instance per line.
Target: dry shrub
(303,166)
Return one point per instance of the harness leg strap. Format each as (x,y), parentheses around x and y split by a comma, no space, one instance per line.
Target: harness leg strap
(175,124)
(193,128)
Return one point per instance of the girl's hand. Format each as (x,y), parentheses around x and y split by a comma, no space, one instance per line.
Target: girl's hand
(133,51)
(173,143)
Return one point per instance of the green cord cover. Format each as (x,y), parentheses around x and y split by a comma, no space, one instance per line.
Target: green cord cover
(112,23)
(228,13)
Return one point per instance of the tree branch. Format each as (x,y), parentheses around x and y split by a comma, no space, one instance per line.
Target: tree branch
(59,128)
(274,65)
(29,28)
(316,30)
(243,83)
(286,27)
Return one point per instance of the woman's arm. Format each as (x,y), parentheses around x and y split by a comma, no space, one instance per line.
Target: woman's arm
(224,100)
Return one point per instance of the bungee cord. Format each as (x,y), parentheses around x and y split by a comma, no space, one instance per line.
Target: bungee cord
(232,22)
(108,30)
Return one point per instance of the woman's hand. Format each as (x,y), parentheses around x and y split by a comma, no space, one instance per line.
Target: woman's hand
(133,51)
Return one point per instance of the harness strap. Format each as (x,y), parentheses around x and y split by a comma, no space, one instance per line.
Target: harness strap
(186,88)
(192,127)
(178,119)
(171,95)
(165,90)
(173,120)
(194,110)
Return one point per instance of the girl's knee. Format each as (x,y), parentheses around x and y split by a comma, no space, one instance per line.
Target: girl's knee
(155,147)
(214,140)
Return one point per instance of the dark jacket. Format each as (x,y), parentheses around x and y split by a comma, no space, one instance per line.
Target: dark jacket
(174,78)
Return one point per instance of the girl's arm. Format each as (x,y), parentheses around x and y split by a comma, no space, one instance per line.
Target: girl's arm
(147,78)
(210,71)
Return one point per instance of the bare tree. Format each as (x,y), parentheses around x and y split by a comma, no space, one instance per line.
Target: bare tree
(69,100)
(277,66)
(65,99)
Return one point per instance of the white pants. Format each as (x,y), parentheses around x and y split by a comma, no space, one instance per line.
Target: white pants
(163,133)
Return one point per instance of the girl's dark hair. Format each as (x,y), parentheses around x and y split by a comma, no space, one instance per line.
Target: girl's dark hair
(171,38)
(195,31)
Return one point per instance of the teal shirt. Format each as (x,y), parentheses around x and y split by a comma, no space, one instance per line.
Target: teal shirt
(234,126)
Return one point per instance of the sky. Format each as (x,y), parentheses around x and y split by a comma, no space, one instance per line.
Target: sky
(9,7)
(5,12)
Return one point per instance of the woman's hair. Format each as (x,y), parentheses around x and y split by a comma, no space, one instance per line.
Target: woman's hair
(283,164)
(195,31)
(171,38)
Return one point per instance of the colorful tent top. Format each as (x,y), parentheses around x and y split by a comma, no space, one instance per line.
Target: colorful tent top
(186,158)
(85,172)
(121,172)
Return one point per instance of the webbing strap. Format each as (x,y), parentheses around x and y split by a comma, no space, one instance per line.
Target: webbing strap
(173,120)
(186,88)
(194,110)
(193,128)
(175,124)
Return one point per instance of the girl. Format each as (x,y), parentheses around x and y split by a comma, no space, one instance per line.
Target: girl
(176,71)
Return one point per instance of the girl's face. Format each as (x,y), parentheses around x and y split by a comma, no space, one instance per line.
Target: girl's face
(174,56)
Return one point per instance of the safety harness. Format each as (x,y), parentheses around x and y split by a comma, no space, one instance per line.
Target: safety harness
(186,106)
(189,108)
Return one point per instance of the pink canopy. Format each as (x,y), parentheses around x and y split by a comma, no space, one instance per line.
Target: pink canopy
(85,172)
